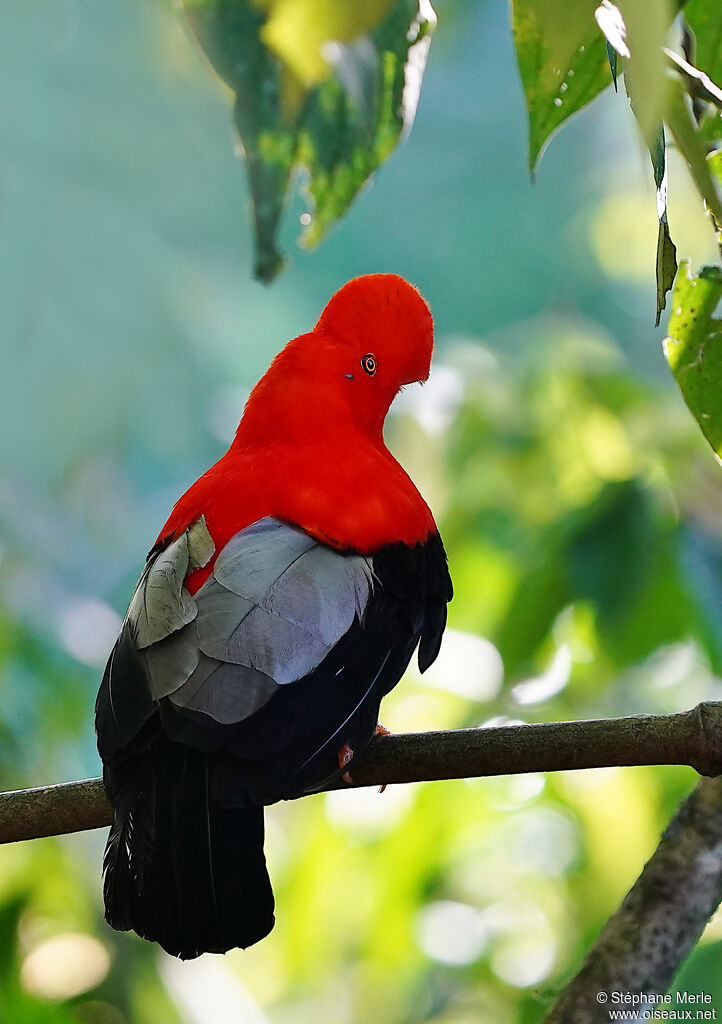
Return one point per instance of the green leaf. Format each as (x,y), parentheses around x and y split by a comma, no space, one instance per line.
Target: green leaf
(541,594)
(658,155)
(703,38)
(230,33)
(609,555)
(692,145)
(645,27)
(666,266)
(714,163)
(613,61)
(643,80)
(353,121)
(705,20)
(694,347)
(711,127)
(562,61)
(329,87)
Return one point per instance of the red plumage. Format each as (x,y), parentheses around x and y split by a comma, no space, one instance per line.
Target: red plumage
(310,449)
(284,596)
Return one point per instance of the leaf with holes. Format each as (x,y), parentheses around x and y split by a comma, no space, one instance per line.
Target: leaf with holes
(693,347)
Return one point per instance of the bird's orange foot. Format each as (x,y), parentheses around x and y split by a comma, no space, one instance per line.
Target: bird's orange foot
(345,755)
(381,730)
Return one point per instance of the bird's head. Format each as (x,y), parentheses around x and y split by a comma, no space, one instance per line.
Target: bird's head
(383,330)
(374,336)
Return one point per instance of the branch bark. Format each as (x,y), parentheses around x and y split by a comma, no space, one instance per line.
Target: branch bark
(642,946)
(692,737)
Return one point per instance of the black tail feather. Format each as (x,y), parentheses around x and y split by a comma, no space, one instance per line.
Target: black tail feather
(181,869)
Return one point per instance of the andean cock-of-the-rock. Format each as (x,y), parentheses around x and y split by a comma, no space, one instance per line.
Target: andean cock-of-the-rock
(285,595)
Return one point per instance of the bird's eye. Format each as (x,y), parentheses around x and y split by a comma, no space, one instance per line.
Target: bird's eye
(369,363)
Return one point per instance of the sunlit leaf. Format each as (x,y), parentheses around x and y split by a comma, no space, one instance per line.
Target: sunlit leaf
(328,86)
(643,79)
(646,26)
(694,347)
(562,61)
(694,148)
(610,20)
(355,119)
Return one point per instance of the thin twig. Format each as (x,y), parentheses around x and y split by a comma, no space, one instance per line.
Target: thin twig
(698,83)
(643,944)
(692,737)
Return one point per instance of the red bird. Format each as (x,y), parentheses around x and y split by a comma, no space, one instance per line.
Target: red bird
(284,597)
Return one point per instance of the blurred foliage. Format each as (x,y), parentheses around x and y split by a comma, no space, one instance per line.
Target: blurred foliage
(579,506)
(326,84)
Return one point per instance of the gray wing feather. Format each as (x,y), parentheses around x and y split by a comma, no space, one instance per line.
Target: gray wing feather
(171,661)
(321,591)
(255,558)
(228,693)
(275,604)
(276,647)
(235,630)
(220,613)
(161,605)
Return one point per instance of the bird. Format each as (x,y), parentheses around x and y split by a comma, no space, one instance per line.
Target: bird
(284,597)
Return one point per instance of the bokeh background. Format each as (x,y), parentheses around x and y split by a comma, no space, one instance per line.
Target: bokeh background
(578,502)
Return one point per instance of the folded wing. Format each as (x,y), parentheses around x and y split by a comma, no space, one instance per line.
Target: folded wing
(275,605)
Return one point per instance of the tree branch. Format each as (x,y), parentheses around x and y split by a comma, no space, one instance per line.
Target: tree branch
(693,737)
(642,946)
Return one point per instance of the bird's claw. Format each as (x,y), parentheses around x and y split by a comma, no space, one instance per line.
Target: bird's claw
(345,755)
(381,730)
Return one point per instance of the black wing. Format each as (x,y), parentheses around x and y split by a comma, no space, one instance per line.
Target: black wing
(243,694)
(281,657)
